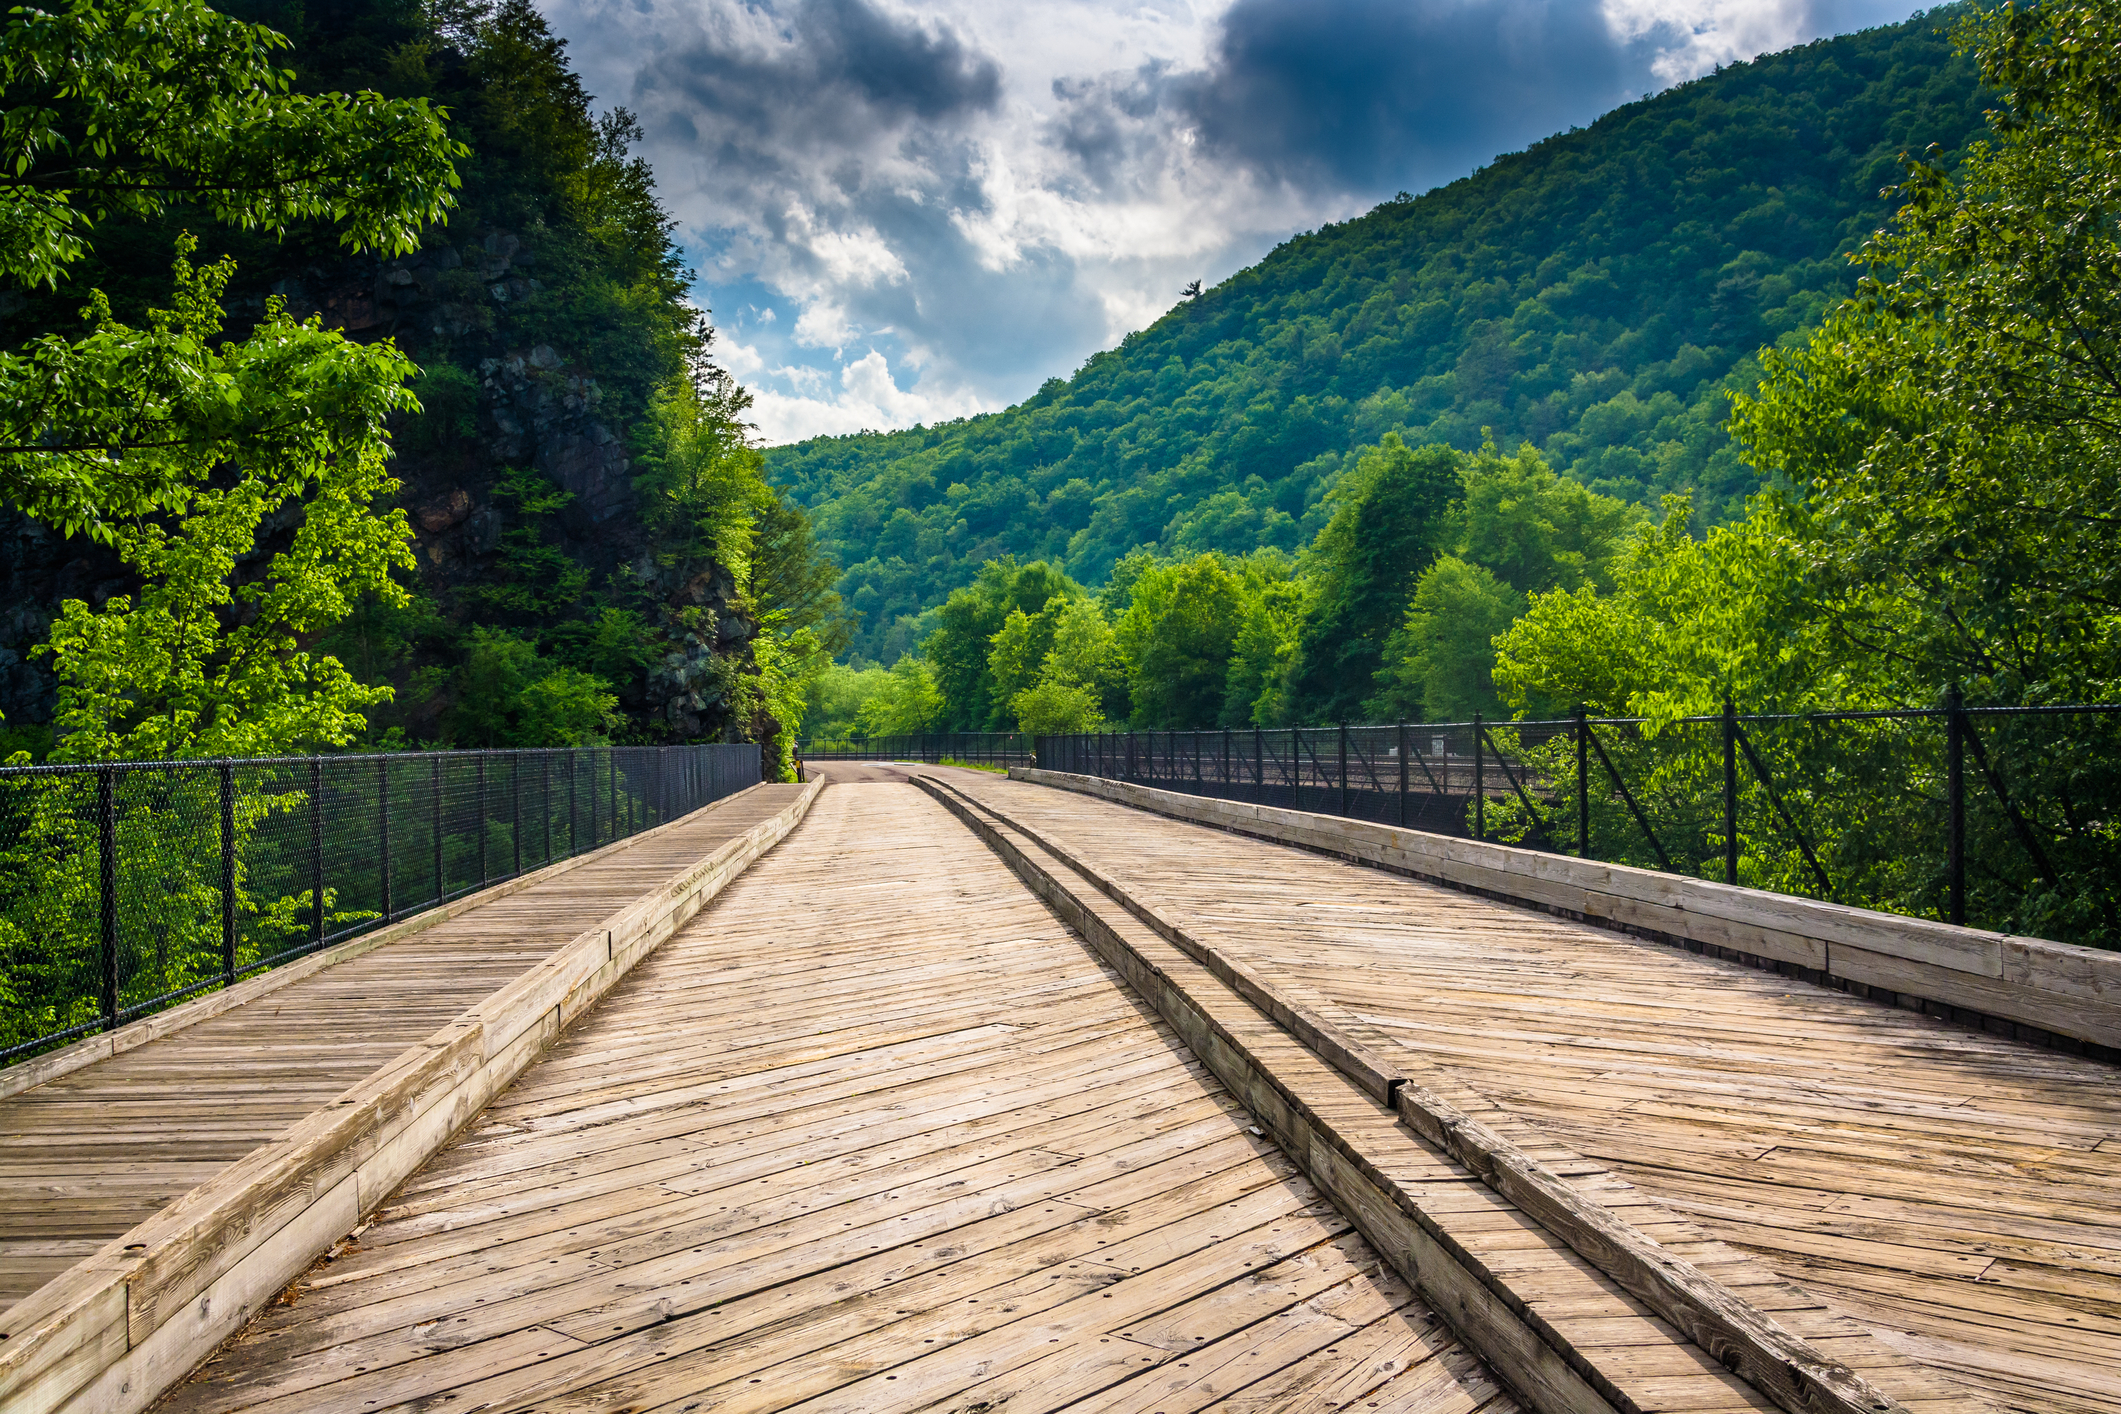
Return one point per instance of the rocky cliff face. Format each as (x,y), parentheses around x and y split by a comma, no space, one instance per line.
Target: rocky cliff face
(533,406)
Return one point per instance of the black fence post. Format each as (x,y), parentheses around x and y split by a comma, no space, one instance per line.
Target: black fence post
(1225,769)
(611,759)
(1402,773)
(1583,782)
(573,811)
(228,873)
(435,776)
(479,812)
(1480,782)
(515,791)
(316,850)
(1259,765)
(1343,768)
(545,801)
(1296,768)
(1730,791)
(107,850)
(1955,788)
(383,832)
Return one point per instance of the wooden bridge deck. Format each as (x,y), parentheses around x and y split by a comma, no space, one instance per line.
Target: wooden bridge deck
(1957,1194)
(877,1131)
(873,1132)
(86,1156)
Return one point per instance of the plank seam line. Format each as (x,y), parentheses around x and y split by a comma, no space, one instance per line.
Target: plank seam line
(1741,1337)
(1520,1346)
(29,1074)
(2075,1020)
(119,1328)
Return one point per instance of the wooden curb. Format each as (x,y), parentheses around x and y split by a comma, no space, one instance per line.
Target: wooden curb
(28,1074)
(2039,991)
(1519,1347)
(1745,1340)
(119,1328)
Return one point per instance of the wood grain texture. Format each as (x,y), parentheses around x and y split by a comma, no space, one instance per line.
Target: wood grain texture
(92,1152)
(1551,1326)
(1736,1333)
(37,1070)
(2065,991)
(191,1273)
(872,1132)
(1955,1197)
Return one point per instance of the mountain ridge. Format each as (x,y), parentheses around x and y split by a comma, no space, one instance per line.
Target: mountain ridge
(1593,295)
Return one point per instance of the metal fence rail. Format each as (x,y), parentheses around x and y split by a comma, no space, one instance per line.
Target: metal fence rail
(2007,818)
(127,886)
(933,748)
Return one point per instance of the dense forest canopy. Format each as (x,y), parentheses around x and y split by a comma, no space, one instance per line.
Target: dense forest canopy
(1597,296)
(577,540)
(1937,468)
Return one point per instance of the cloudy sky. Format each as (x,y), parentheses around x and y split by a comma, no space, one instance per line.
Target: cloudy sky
(908,210)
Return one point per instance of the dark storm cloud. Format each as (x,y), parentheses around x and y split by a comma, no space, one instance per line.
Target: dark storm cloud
(829,73)
(1356,94)
(962,199)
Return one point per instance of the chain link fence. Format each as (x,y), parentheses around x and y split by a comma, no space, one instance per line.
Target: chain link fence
(2007,818)
(126,887)
(931,748)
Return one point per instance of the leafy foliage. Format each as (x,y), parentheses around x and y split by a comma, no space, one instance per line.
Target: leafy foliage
(1952,437)
(958,650)
(1388,520)
(1438,664)
(126,109)
(508,695)
(1596,295)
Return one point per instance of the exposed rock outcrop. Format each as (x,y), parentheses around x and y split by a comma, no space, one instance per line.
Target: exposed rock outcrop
(535,407)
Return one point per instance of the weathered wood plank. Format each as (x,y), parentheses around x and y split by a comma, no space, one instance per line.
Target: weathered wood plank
(194,1271)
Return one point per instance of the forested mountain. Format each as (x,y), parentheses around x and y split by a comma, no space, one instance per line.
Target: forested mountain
(1594,296)
(573,582)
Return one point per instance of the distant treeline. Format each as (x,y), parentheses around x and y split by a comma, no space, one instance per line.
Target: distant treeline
(1598,296)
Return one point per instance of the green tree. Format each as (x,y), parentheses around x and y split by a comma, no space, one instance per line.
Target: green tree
(963,638)
(1534,531)
(533,582)
(1390,516)
(1057,706)
(1256,694)
(1687,622)
(1018,649)
(701,481)
(792,578)
(908,704)
(1439,664)
(1177,637)
(1061,671)
(508,695)
(836,697)
(207,660)
(1951,437)
(1085,653)
(120,113)
(115,111)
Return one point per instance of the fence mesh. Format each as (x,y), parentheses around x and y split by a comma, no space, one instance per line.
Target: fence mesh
(931,748)
(2003,818)
(129,886)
